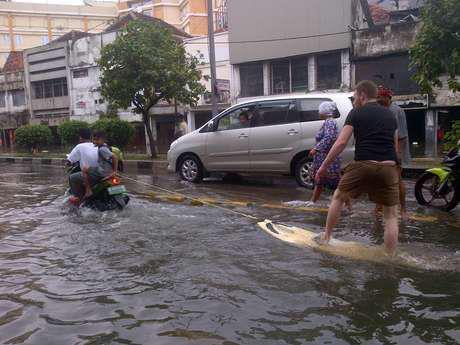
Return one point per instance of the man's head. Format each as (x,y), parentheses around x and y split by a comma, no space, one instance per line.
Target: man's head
(384,96)
(365,91)
(244,118)
(99,138)
(84,135)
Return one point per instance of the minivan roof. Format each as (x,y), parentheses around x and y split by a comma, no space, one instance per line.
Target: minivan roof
(332,95)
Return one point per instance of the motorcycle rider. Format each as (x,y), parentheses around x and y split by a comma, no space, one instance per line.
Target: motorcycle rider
(107,163)
(87,155)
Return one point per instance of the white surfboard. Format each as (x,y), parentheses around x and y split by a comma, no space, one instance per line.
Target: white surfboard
(349,249)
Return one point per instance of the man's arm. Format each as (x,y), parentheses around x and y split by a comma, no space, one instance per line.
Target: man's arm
(74,155)
(339,145)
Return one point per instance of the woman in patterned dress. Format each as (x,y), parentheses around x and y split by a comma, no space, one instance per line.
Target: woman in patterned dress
(325,138)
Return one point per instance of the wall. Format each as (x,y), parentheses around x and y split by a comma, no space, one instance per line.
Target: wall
(257,20)
(198,47)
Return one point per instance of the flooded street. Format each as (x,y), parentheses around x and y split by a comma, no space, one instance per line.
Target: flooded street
(172,273)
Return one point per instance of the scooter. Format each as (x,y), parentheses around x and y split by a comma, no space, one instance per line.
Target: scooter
(440,187)
(108,194)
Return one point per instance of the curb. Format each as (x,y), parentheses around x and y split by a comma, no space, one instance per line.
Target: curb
(136,164)
(412,172)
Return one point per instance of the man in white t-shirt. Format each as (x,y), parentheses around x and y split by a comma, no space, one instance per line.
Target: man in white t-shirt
(87,155)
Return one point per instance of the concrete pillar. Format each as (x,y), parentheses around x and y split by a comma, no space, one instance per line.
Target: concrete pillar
(346,72)
(235,84)
(311,73)
(431,126)
(191,121)
(266,76)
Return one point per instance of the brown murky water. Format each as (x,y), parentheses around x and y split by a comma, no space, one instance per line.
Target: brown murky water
(161,273)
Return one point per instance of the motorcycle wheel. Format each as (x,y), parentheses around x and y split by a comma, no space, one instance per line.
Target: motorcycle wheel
(426,195)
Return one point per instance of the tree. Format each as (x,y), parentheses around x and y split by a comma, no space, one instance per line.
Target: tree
(436,51)
(146,65)
(32,137)
(119,133)
(69,131)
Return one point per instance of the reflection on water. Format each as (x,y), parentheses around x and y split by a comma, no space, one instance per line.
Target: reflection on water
(159,273)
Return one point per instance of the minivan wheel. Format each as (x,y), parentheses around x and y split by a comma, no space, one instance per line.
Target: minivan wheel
(304,172)
(191,169)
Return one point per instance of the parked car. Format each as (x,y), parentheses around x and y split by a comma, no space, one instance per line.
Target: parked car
(264,135)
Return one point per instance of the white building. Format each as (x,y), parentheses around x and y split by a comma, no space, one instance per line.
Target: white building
(198,47)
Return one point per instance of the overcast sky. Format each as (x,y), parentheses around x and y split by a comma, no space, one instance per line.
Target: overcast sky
(62,2)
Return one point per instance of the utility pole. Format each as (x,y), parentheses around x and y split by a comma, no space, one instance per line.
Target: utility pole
(212,58)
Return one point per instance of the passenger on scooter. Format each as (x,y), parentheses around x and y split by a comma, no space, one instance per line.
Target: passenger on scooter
(106,167)
(86,154)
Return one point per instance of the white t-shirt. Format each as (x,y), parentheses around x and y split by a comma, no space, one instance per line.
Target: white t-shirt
(86,154)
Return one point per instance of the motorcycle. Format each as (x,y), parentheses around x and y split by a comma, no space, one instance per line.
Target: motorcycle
(440,187)
(108,194)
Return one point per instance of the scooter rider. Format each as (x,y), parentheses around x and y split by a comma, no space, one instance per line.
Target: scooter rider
(87,155)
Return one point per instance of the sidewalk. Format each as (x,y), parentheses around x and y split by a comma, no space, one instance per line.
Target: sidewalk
(128,163)
(417,167)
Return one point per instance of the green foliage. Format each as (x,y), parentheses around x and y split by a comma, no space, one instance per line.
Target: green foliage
(436,51)
(69,131)
(145,65)
(33,137)
(452,136)
(118,132)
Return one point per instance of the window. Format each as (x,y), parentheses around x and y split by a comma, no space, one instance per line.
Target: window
(45,39)
(289,75)
(237,119)
(329,70)
(308,108)
(2,99)
(252,79)
(81,73)
(6,39)
(18,97)
(50,88)
(281,77)
(299,74)
(18,40)
(276,113)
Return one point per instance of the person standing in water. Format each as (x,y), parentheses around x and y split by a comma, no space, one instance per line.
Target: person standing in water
(325,138)
(385,98)
(374,170)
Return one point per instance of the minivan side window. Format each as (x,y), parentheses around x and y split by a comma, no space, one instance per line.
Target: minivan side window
(308,108)
(276,113)
(236,119)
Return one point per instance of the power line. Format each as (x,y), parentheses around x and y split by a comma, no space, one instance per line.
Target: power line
(283,38)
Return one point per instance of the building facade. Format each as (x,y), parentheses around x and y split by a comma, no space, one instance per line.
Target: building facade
(13,109)
(310,51)
(380,52)
(190,16)
(198,47)
(27,25)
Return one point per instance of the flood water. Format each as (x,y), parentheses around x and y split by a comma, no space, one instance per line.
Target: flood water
(165,273)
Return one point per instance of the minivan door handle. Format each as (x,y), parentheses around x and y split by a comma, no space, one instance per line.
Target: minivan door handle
(242,136)
(292,132)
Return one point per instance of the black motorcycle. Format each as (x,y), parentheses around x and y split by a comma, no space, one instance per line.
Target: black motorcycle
(108,194)
(440,187)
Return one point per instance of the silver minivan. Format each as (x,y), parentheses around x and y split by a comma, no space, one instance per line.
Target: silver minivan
(269,135)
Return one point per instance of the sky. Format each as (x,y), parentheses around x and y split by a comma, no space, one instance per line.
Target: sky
(61,2)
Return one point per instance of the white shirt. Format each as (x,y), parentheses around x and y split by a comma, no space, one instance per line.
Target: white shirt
(86,154)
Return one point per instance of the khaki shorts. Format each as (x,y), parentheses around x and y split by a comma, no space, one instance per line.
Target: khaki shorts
(379,181)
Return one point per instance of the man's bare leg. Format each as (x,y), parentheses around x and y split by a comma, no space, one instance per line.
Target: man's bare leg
(333,215)
(88,191)
(402,199)
(390,237)
(317,193)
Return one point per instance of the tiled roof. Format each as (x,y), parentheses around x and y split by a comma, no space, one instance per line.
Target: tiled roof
(72,36)
(122,21)
(14,62)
